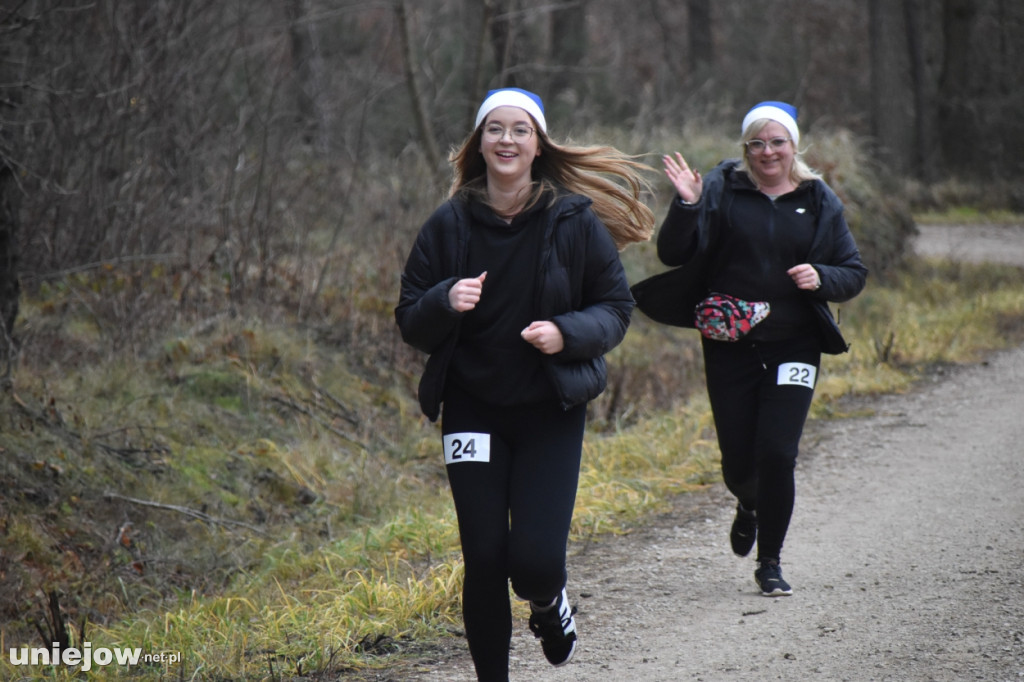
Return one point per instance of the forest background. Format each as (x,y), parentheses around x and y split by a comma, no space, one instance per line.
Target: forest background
(204,209)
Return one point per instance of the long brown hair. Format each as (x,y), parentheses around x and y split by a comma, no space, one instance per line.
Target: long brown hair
(614,181)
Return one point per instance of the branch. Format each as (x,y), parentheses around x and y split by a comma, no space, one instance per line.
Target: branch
(121,260)
(194,513)
(309,413)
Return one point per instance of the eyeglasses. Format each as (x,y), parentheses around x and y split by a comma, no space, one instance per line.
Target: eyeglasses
(495,132)
(757,146)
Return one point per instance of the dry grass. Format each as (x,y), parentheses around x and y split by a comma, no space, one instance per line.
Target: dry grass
(328,538)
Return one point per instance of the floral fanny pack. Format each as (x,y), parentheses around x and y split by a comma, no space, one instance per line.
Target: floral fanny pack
(722,317)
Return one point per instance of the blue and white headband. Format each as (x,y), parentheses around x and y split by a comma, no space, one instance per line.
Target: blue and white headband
(513,97)
(780,112)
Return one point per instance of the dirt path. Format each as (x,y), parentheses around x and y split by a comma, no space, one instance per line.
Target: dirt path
(906,554)
(973,243)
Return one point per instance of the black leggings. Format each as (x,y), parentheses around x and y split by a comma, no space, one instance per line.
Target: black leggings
(514,510)
(759,411)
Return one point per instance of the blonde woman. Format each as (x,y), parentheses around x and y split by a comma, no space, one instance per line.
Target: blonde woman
(761,246)
(515,290)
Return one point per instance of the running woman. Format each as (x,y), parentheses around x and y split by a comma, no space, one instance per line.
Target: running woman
(764,229)
(515,289)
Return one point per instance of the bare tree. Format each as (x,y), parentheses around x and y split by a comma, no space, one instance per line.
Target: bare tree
(479,46)
(921,161)
(10,290)
(501,29)
(10,193)
(569,45)
(419,108)
(957,82)
(702,53)
(312,118)
(891,88)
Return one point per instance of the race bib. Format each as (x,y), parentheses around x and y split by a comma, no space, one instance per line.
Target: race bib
(467,447)
(797,374)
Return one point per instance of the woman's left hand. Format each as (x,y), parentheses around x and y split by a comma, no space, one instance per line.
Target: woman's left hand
(544,336)
(805,276)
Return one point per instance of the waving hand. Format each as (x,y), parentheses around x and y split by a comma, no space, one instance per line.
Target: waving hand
(686,180)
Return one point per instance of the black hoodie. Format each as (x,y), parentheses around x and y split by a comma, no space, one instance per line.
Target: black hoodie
(579,284)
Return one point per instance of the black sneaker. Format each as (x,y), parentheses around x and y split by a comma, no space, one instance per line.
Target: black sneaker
(556,629)
(744,531)
(769,578)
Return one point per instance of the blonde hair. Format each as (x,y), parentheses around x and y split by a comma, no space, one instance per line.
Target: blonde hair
(799,172)
(579,170)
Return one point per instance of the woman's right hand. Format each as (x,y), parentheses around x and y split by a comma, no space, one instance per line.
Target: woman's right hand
(465,294)
(687,181)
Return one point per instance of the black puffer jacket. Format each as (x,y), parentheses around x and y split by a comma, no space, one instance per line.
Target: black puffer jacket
(581,287)
(687,239)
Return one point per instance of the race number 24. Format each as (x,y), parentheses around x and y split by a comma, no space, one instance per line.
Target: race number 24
(467,447)
(797,374)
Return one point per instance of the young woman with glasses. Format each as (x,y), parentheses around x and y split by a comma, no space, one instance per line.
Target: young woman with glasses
(515,290)
(766,230)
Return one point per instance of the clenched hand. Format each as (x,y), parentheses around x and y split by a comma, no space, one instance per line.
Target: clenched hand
(465,294)
(544,336)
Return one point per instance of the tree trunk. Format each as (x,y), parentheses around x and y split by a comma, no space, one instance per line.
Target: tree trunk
(300,38)
(476,89)
(891,102)
(10,289)
(568,47)
(419,106)
(10,201)
(922,159)
(955,85)
(504,39)
(702,52)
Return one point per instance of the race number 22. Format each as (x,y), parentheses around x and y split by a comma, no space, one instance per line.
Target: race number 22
(797,374)
(467,447)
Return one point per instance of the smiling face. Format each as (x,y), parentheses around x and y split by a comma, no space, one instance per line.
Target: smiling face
(508,156)
(771,167)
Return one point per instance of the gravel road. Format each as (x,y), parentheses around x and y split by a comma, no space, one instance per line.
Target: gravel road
(906,551)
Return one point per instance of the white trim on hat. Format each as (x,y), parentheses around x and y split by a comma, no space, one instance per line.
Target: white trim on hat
(772,113)
(511,98)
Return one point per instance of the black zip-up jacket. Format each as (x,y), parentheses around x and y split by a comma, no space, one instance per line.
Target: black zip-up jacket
(581,287)
(688,239)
